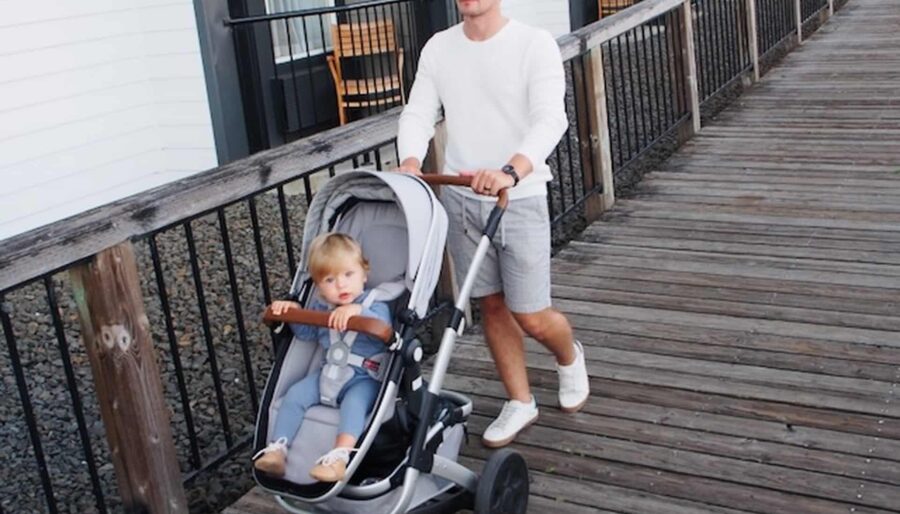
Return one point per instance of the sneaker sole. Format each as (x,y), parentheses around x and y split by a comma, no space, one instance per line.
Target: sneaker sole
(503,442)
(576,408)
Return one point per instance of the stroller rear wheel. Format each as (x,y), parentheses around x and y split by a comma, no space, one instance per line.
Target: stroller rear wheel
(503,485)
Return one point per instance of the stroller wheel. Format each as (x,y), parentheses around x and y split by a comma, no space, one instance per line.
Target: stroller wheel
(503,485)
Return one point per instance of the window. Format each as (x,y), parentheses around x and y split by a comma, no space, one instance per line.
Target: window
(300,36)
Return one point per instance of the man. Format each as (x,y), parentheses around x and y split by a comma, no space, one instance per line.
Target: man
(501,85)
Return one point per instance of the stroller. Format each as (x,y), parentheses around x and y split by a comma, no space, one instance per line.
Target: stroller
(406,459)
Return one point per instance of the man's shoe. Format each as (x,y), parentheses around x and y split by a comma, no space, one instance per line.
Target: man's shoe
(514,417)
(332,466)
(574,385)
(272,460)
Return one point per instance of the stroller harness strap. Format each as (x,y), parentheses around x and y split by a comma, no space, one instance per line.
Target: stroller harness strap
(340,360)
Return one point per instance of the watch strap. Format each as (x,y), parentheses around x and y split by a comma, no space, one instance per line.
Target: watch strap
(511,171)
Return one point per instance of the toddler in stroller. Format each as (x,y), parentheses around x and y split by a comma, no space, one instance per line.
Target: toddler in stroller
(350,377)
(405,458)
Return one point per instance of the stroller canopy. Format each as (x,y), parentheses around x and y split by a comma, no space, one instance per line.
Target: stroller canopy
(402,234)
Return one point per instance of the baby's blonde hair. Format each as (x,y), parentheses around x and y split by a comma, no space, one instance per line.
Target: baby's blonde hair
(329,249)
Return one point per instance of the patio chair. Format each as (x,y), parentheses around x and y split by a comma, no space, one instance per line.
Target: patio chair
(374,46)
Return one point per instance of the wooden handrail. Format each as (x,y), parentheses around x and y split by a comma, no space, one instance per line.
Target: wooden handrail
(593,35)
(371,326)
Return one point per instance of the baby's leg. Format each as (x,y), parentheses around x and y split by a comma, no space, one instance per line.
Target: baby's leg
(359,397)
(299,397)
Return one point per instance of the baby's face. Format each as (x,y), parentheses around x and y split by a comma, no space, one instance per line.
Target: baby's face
(343,283)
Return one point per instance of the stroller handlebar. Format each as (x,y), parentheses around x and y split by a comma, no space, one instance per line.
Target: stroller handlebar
(371,326)
(435,179)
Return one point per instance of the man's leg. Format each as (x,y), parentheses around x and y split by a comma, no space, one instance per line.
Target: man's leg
(550,328)
(504,338)
(525,270)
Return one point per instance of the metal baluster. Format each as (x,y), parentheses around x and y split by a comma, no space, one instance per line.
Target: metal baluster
(286,229)
(238,312)
(176,357)
(72,384)
(27,408)
(207,334)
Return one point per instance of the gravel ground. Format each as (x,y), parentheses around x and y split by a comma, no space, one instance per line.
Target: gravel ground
(20,486)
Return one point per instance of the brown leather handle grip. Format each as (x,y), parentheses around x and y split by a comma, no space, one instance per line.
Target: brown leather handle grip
(435,179)
(295,314)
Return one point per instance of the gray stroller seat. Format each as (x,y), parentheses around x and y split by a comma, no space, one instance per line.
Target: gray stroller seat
(380,229)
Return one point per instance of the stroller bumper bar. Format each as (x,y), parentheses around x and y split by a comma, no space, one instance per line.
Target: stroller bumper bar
(371,326)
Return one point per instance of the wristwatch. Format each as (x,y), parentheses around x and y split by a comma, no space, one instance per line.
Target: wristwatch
(509,170)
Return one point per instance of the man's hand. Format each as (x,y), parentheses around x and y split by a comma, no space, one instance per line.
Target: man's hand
(489,182)
(410,165)
(341,316)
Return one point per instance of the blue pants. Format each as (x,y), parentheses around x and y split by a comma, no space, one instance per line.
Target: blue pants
(355,401)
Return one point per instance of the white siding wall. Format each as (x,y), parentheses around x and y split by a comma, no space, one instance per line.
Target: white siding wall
(99,99)
(552,15)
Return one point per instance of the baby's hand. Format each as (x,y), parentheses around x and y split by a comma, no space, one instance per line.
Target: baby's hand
(281,306)
(341,315)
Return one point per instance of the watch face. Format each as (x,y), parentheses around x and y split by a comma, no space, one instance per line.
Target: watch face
(509,170)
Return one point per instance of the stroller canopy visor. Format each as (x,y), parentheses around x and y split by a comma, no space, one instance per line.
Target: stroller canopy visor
(424,218)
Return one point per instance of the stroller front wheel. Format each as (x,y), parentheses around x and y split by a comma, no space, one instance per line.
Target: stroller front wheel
(503,485)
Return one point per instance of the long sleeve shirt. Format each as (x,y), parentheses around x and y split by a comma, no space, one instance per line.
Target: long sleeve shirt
(500,97)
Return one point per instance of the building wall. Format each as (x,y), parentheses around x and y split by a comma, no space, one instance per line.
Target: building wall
(99,99)
(552,15)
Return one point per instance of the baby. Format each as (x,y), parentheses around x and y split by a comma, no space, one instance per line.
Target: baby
(339,270)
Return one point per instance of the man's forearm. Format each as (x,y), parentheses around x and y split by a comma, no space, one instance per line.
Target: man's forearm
(522,164)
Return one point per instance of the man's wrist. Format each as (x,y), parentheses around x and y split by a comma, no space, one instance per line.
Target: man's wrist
(510,170)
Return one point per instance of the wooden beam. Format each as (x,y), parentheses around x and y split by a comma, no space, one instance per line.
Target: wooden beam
(599,153)
(117,339)
(690,63)
(752,38)
(595,34)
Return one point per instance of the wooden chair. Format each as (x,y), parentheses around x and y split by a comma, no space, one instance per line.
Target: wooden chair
(374,40)
(610,7)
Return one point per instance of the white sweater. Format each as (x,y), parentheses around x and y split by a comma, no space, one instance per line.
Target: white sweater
(502,96)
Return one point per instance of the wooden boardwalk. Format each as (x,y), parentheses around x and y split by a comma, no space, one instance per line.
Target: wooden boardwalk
(741,311)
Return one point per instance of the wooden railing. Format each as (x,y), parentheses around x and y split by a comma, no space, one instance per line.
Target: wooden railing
(633,86)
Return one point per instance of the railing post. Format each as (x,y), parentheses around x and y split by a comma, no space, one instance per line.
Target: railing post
(798,13)
(594,137)
(117,340)
(830,8)
(690,63)
(752,38)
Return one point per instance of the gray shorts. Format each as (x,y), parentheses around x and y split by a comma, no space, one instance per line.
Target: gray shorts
(518,262)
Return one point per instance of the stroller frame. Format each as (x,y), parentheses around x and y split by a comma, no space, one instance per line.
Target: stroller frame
(464,487)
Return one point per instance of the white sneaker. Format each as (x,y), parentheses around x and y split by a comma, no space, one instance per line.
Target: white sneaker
(574,385)
(514,417)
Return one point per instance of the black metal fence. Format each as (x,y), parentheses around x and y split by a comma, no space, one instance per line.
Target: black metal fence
(721,41)
(206,276)
(808,8)
(646,97)
(775,23)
